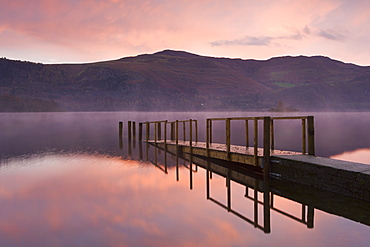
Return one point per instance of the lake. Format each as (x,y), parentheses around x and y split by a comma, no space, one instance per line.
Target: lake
(66,179)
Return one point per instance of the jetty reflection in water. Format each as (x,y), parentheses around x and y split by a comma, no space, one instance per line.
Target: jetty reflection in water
(55,199)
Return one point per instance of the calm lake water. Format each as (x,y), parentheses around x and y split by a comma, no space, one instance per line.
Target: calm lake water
(66,179)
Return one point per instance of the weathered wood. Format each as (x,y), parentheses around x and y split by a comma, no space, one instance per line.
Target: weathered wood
(266,146)
(155,132)
(255,141)
(228,141)
(207,136)
(246,134)
(120,135)
(129,129)
(159,130)
(311,135)
(272,135)
(165,132)
(147,132)
(134,130)
(177,132)
(210,131)
(120,128)
(304,136)
(140,131)
(310,216)
(191,135)
(196,130)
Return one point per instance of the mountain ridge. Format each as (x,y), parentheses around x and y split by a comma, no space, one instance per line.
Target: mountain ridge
(179,80)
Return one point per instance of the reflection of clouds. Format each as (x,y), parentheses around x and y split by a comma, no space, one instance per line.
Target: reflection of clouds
(359,155)
(105,198)
(61,200)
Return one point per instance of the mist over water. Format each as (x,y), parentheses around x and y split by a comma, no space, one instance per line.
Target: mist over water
(67,180)
(27,133)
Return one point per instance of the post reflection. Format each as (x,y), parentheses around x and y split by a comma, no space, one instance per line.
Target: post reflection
(255,184)
(261,191)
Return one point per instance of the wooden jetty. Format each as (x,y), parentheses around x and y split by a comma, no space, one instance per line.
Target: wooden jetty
(309,197)
(304,167)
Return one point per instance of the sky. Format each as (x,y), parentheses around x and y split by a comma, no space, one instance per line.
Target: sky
(79,31)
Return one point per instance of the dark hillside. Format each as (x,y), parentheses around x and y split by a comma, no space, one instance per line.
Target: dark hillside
(177,80)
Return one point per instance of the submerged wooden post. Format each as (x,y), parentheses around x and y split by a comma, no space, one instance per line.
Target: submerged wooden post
(256,141)
(210,131)
(266,146)
(140,131)
(177,132)
(134,130)
(303,136)
(120,128)
(129,129)
(311,135)
(228,141)
(147,131)
(310,216)
(120,135)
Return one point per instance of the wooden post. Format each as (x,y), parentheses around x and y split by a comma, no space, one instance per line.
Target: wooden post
(266,146)
(210,131)
(134,130)
(246,135)
(310,216)
(191,135)
(207,136)
(196,130)
(147,131)
(129,129)
(256,141)
(272,135)
(303,136)
(311,135)
(165,135)
(177,133)
(159,130)
(140,131)
(228,141)
(120,128)
(120,135)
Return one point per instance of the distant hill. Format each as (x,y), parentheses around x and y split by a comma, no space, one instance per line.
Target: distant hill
(16,104)
(177,80)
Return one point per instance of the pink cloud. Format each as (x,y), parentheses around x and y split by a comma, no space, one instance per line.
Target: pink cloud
(95,30)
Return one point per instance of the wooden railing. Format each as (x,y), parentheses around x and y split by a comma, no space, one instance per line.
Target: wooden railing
(158,125)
